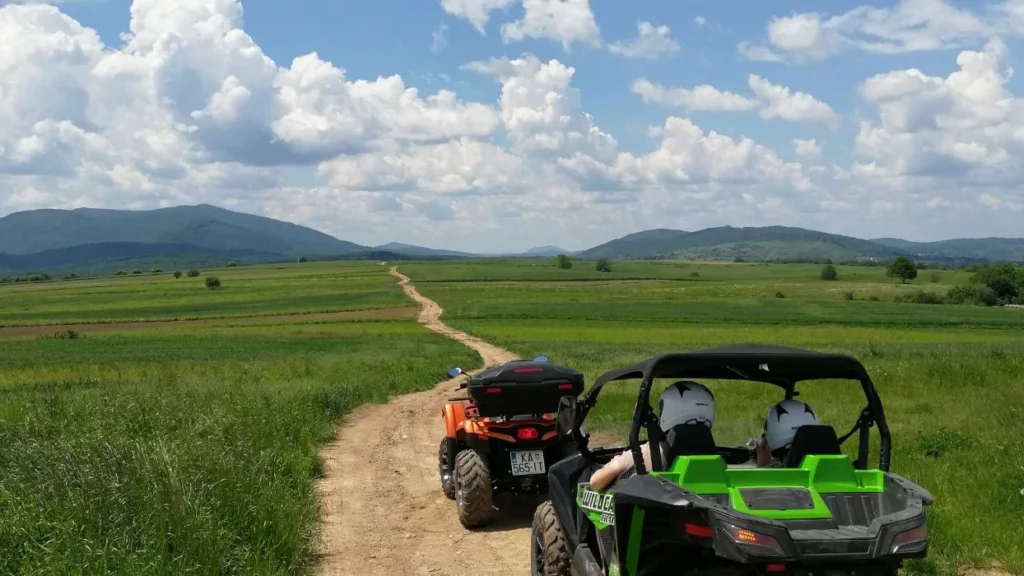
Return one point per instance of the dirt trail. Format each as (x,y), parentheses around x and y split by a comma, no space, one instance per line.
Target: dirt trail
(383,506)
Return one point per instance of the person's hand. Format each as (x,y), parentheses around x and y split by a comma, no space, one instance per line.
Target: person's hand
(764,455)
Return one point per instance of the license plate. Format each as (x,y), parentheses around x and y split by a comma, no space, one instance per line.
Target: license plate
(527,462)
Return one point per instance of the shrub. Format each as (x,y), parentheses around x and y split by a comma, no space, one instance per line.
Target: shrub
(177,273)
(779,294)
(694,274)
(873,298)
(1005,279)
(829,273)
(231,264)
(972,294)
(935,277)
(136,271)
(603,265)
(62,335)
(302,259)
(156,270)
(193,273)
(212,282)
(120,273)
(563,262)
(848,295)
(920,297)
(71,276)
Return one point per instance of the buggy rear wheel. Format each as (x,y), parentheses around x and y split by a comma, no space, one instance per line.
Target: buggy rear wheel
(473,494)
(445,469)
(549,549)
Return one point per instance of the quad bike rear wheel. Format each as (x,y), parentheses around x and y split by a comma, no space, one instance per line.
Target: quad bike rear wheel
(549,549)
(445,469)
(472,489)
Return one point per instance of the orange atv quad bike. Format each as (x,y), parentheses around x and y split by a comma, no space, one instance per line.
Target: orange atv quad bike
(502,437)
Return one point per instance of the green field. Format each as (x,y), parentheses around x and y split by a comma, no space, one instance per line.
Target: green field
(193,448)
(951,377)
(190,450)
(247,291)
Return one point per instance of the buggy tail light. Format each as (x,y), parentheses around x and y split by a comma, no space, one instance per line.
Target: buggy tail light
(566,386)
(533,369)
(909,541)
(494,390)
(698,530)
(753,542)
(527,434)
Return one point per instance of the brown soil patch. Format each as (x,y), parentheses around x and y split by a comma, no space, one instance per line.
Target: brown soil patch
(384,512)
(30,331)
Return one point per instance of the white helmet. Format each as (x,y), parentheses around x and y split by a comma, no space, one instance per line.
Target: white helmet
(686,402)
(782,421)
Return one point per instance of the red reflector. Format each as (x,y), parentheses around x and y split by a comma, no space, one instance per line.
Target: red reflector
(494,390)
(527,433)
(535,369)
(483,437)
(776,567)
(698,530)
(566,386)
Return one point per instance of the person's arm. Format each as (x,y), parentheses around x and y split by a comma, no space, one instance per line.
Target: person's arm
(616,466)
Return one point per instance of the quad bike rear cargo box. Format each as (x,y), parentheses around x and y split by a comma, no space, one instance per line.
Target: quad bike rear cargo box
(523,387)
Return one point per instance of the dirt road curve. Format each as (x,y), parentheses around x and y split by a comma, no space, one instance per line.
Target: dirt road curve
(384,509)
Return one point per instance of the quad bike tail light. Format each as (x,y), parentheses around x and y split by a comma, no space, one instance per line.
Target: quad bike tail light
(527,433)
(910,541)
(753,542)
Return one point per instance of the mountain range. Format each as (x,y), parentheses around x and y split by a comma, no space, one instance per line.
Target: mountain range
(94,241)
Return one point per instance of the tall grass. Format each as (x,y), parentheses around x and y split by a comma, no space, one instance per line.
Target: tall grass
(186,464)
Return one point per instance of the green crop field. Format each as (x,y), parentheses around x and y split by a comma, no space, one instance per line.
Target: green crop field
(181,450)
(246,291)
(951,377)
(192,448)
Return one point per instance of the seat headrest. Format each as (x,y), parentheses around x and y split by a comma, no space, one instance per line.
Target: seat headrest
(812,439)
(689,440)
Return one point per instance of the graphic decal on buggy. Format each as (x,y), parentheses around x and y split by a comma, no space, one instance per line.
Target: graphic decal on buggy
(598,505)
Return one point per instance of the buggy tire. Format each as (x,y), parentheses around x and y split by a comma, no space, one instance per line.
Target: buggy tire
(473,494)
(549,548)
(446,469)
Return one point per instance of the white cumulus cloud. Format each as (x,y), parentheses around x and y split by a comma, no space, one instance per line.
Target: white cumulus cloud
(651,42)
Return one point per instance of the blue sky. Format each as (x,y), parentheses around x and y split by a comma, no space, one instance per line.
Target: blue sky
(883,169)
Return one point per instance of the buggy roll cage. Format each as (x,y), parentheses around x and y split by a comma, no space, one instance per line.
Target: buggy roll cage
(781,366)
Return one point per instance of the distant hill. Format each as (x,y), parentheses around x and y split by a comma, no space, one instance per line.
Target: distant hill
(204,227)
(655,243)
(411,250)
(94,241)
(1008,249)
(546,251)
(766,243)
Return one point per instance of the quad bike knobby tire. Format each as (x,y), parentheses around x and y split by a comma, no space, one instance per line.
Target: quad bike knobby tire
(445,469)
(549,550)
(472,489)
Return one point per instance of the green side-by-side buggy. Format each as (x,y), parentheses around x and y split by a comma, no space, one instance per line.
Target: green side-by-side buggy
(706,509)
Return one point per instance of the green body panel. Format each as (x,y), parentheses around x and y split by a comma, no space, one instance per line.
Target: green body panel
(709,475)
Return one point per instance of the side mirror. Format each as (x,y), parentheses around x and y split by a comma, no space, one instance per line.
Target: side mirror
(565,419)
(541,358)
(453,372)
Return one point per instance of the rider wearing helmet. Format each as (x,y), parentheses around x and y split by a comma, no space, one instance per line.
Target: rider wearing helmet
(780,425)
(683,402)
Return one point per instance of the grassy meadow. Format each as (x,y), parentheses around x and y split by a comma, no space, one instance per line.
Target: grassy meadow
(951,377)
(190,450)
(248,291)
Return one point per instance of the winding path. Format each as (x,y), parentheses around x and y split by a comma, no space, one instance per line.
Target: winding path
(384,512)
